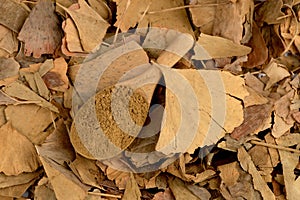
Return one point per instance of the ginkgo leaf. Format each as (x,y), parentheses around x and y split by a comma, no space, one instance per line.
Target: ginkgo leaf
(18,153)
(90,25)
(41,32)
(210,47)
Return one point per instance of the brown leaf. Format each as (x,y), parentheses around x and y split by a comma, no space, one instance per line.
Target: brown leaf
(275,72)
(101,8)
(9,69)
(16,191)
(57,145)
(8,41)
(255,119)
(41,32)
(13,15)
(44,190)
(87,170)
(223,18)
(65,183)
(56,78)
(259,53)
(19,154)
(289,161)
(9,181)
(71,39)
(179,189)
(270,11)
(166,195)
(261,159)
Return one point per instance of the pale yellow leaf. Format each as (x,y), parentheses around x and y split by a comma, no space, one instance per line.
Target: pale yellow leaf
(210,47)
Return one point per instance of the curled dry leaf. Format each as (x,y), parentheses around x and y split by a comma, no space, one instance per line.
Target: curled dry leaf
(18,153)
(275,73)
(71,41)
(41,32)
(259,53)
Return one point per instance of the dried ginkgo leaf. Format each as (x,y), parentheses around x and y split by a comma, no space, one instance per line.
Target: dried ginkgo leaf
(129,13)
(248,165)
(210,47)
(30,120)
(41,31)
(18,153)
(202,103)
(132,190)
(56,78)
(8,41)
(9,69)
(275,73)
(72,40)
(90,25)
(13,15)
(20,91)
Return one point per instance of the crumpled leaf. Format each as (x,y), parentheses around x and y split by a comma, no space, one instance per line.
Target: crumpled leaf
(41,32)
(275,73)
